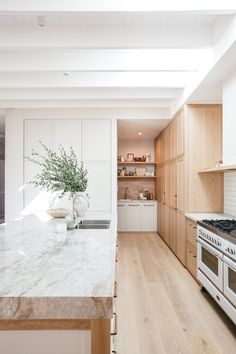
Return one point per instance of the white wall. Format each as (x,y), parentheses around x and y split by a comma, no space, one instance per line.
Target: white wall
(229,143)
(229,121)
(137,146)
(15,141)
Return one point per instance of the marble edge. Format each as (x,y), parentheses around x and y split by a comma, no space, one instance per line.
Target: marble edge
(200,216)
(36,308)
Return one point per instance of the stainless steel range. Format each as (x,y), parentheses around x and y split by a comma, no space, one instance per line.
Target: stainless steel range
(216,260)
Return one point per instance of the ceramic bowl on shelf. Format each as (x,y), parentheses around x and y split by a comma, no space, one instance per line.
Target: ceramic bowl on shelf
(58,213)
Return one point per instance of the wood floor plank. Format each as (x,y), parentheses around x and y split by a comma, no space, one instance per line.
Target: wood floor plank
(161,309)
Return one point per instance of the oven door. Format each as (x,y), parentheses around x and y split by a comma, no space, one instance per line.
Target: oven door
(230,280)
(209,261)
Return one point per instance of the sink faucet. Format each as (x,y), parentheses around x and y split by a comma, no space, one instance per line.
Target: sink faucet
(126,192)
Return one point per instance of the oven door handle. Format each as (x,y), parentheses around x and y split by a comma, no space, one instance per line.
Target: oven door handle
(230,263)
(210,249)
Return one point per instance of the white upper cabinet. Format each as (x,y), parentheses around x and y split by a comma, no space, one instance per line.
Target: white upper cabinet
(35,131)
(96,140)
(90,140)
(67,132)
(99,185)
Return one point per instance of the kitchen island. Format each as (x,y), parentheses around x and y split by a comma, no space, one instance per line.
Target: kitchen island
(47,283)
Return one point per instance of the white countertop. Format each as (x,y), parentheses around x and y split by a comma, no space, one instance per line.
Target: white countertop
(201,216)
(42,277)
(136,201)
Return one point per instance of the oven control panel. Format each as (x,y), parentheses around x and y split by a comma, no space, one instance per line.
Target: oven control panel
(230,249)
(209,236)
(227,247)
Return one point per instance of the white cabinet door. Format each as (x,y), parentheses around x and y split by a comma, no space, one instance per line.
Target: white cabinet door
(67,132)
(96,140)
(35,131)
(134,216)
(122,216)
(99,185)
(149,216)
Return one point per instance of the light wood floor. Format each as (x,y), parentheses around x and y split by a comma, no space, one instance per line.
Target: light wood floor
(160,307)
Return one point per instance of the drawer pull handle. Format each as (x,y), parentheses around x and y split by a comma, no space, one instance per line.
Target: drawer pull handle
(115,290)
(134,205)
(194,227)
(114,333)
(121,205)
(194,256)
(217,297)
(148,205)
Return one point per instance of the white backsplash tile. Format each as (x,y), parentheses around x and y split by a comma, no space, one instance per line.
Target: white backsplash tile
(230,193)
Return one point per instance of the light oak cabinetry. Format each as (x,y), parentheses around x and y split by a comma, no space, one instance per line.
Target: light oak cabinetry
(190,143)
(203,131)
(181,237)
(191,258)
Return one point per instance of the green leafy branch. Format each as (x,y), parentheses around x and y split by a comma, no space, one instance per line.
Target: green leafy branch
(61,171)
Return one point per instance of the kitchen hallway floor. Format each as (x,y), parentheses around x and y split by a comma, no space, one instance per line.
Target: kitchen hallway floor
(160,307)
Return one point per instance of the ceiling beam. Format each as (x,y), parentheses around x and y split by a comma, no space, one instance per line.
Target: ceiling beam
(14,103)
(136,34)
(98,79)
(114,6)
(105,60)
(132,93)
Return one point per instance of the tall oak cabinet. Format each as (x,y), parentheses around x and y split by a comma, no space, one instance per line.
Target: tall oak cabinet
(190,143)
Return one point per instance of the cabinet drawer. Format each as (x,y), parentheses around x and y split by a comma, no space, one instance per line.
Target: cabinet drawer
(192,258)
(192,231)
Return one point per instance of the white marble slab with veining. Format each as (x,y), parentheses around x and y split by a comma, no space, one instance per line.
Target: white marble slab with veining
(44,278)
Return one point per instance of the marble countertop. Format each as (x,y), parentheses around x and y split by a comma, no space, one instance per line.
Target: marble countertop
(201,216)
(44,277)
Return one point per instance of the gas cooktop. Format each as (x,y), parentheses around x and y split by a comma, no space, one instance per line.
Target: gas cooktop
(227,226)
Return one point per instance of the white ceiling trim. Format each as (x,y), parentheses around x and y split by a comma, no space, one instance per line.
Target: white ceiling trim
(114,6)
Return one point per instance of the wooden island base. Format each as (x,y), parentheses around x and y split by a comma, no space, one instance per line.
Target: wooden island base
(100,329)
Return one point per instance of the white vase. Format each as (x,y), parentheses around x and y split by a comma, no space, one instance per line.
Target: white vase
(81,203)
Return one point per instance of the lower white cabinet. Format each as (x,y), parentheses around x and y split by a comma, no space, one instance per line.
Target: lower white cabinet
(137,216)
(133,217)
(122,216)
(149,216)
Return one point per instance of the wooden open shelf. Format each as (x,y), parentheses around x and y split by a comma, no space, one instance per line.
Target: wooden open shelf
(120,177)
(137,163)
(221,169)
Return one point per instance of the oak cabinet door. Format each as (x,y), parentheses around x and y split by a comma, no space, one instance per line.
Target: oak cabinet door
(167,224)
(173,230)
(173,139)
(180,185)
(167,143)
(173,185)
(180,133)
(181,237)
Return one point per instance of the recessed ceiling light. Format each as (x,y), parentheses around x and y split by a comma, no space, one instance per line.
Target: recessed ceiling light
(140,133)
(66,73)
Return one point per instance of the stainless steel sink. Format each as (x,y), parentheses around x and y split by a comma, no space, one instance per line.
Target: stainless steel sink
(94,224)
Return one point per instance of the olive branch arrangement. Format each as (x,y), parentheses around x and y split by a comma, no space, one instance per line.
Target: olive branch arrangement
(61,172)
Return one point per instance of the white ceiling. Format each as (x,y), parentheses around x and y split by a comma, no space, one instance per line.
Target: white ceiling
(112,54)
(150,128)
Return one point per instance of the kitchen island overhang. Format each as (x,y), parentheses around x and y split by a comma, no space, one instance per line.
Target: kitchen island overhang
(49,285)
